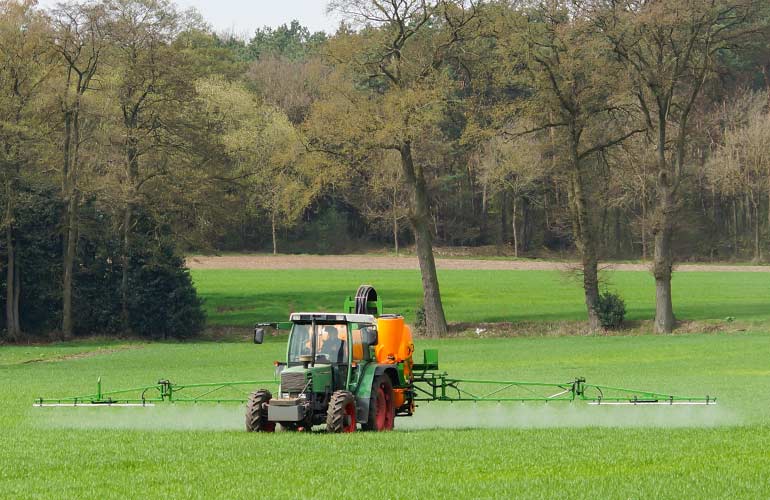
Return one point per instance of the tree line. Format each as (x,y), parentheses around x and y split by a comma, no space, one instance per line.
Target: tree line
(133,133)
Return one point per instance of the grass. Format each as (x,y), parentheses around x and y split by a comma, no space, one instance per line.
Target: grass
(528,451)
(118,453)
(241,297)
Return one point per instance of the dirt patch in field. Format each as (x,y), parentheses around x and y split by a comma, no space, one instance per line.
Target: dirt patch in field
(388,262)
(83,355)
(577,328)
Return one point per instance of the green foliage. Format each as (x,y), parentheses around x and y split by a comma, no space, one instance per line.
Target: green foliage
(611,309)
(163,301)
(292,41)
(97,293)
(39,248)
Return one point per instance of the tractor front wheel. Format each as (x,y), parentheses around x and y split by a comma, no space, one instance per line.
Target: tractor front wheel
(341,415)
(256,412)
(382,413)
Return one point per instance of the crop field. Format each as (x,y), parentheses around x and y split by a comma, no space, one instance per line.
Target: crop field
(454,451)
(241,297)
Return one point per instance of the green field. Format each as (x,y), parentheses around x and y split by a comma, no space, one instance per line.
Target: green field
(591,452)
(241,297)
(455,451)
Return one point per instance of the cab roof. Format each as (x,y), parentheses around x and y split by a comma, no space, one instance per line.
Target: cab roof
(332,317)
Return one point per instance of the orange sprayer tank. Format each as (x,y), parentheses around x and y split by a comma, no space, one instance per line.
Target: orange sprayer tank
(394,342)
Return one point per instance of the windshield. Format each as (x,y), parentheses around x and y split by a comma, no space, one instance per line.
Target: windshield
(330,342)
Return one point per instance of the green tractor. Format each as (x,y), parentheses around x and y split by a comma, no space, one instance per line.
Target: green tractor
(332,375)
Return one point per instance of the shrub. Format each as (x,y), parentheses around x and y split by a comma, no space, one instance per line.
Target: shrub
(163,301)
(38,253)
(611,309)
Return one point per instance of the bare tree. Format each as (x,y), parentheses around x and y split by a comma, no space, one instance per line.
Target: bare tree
(669,49)
(577,94)
(513,166)
(741,164)
(384,199)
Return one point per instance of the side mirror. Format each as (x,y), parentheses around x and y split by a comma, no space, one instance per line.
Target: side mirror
(370,336)
(259,335)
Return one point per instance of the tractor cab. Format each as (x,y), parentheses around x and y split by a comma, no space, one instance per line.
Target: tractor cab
(329,339)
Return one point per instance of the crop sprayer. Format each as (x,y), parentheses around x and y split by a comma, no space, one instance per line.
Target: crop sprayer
(356,368)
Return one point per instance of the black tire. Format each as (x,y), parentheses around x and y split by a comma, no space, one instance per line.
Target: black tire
(382,413)
(256,412)
(341,415)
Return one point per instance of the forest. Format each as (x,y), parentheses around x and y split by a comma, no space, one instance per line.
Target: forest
(133,134)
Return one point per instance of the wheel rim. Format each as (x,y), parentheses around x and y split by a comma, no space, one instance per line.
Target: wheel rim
(389,411)
(384,414)
(350,418)
(267,426)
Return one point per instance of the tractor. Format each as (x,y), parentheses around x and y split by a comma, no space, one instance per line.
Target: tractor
(341,369)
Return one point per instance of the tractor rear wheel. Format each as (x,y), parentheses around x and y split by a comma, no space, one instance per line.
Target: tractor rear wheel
(341,415)
(382,413)
(256,412)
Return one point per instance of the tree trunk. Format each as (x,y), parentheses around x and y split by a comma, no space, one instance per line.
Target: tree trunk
(757,247)
(435,321)
(484,223)
(126,262)
(132,171)
(504,207)
(70,247)
(663,261)
(664,227)
(587,248)
(618,234)
(395,218)
(72,148)
(17,299)
(644,225)
(514,230)
(768,205)
(395,234)
(735,229)
(584,232)
(591,287)
(13,328)
(272,227)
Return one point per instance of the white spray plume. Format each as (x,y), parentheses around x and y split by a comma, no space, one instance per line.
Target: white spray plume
(436,415)
(537,416)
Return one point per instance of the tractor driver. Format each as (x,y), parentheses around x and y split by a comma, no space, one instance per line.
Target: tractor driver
(333,347)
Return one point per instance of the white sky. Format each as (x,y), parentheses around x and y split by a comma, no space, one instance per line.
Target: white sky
(244,16)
